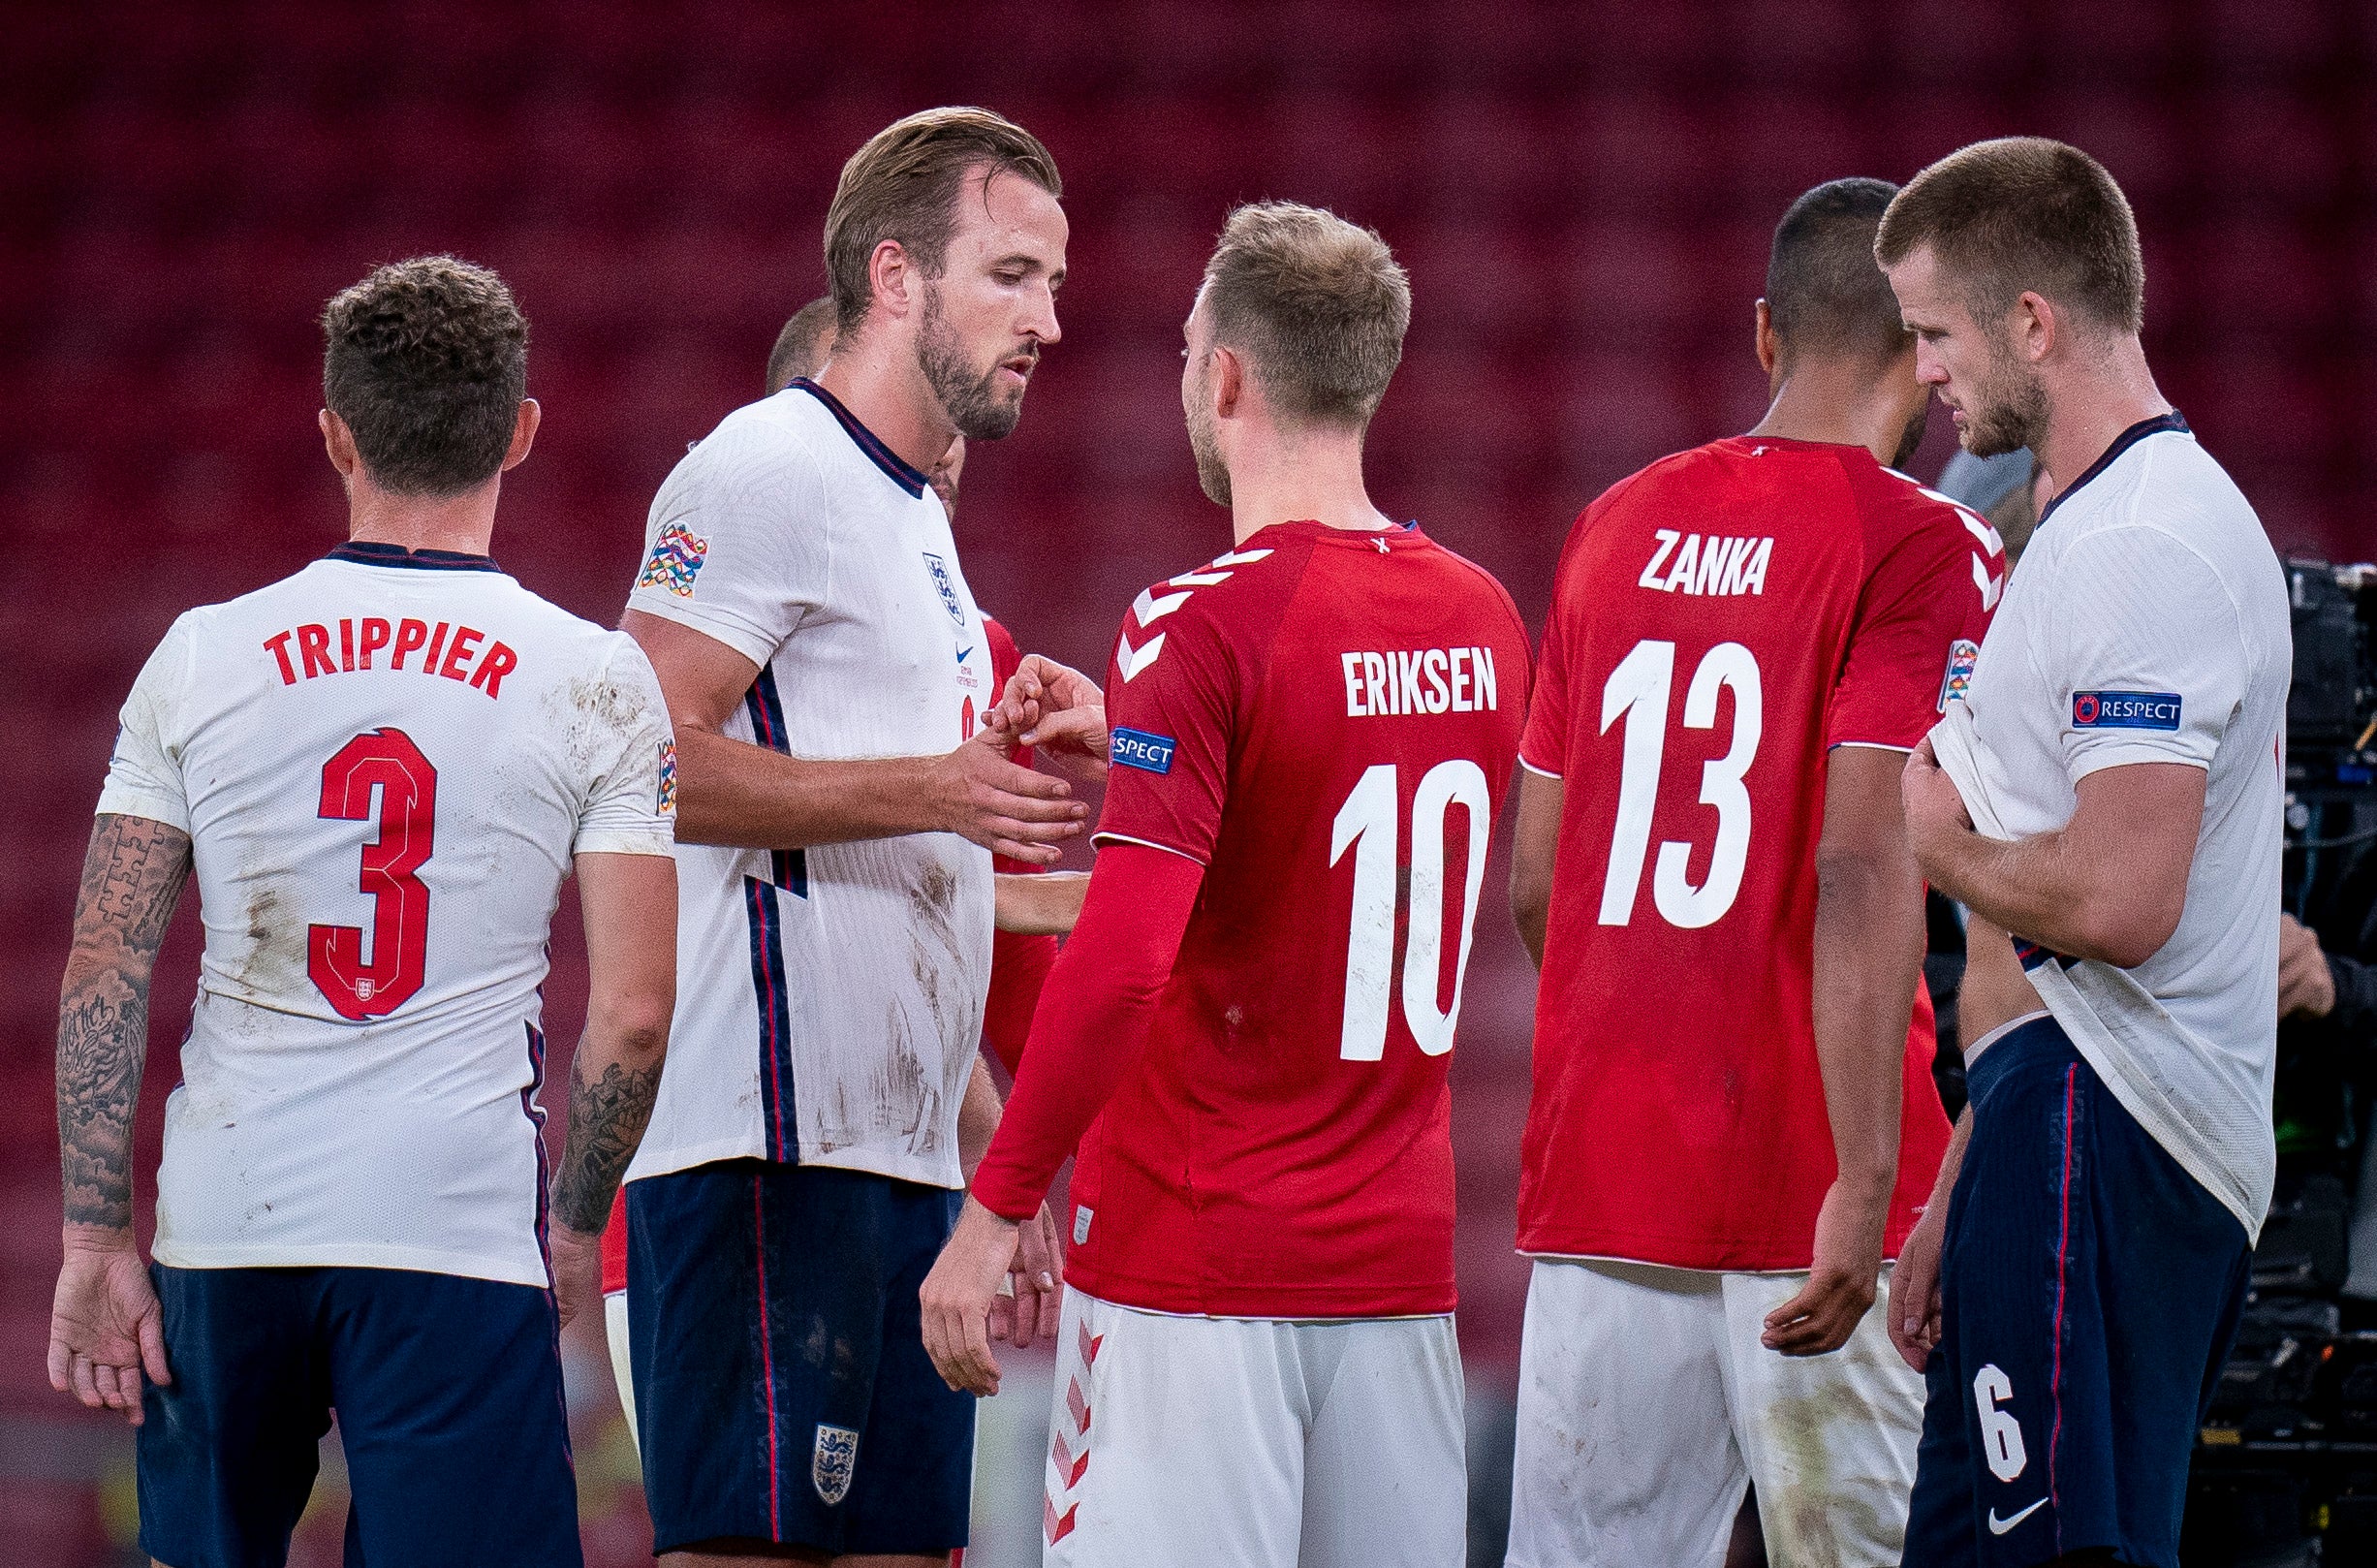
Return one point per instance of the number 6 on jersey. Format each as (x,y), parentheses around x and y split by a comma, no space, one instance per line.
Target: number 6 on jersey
(1367,823)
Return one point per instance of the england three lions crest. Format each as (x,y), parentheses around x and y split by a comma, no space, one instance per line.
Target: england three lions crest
(948,584)
(832,1462)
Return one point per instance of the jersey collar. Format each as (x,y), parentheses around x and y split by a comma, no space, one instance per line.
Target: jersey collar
(868,441)
(2120,444)
(372,552)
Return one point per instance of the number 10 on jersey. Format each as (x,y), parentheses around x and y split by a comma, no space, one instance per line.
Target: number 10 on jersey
(1368,823)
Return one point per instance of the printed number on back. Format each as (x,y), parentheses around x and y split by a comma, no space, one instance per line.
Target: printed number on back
(1639,689)
(1367,825)
(386,764)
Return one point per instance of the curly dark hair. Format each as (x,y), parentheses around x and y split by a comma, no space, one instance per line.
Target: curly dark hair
(426,360)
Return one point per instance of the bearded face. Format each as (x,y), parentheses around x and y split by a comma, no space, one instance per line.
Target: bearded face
(981,402)
(2007,409)
(1212,477)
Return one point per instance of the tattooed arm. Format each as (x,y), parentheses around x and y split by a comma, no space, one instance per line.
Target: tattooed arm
(630,907)
(105,1323)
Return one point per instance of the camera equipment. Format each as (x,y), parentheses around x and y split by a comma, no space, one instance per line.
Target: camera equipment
(2331,717)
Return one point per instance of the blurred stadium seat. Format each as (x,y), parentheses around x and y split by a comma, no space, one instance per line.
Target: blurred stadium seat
(1581,194)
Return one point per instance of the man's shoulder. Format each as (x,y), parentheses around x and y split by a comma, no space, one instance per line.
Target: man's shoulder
(2167,497)
(768,444)
(1223,595)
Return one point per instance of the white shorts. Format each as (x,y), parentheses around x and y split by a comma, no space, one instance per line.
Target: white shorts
(1254,1443)
(614,1330)
(1647,1404)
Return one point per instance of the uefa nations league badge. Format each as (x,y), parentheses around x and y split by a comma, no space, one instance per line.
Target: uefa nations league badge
(832,1462)
(1963,654)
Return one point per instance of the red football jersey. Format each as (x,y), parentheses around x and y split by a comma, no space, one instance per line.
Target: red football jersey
(1719,622)
(1326,721)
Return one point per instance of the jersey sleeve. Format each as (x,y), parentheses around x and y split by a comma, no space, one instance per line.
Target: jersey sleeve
(630,798)
(1542,745)
(2146,653)
(1170,704)
(1919,624)
(144,774)
(736,546)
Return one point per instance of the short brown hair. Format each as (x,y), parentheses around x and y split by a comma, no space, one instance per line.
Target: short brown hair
(426,360)
(1824,294)
(904,185)
(2024,213)
(803,346)
(1319,304)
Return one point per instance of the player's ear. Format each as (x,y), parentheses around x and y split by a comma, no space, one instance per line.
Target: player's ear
(2038,327)
(524,434)
(1229,382)
(339,442)
(1767,349)
(887,273)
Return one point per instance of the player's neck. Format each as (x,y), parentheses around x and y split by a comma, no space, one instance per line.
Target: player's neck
(1314,479)
(878,381)
(2090,402)
(1843,406)
(463,523)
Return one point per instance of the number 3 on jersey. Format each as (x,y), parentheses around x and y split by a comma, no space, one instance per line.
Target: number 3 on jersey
(1638,688)
(407,786)
(1366,823)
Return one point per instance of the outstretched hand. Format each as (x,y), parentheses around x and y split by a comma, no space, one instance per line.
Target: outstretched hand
(958,1297)
(105,1325)
(1841,1286)
(984,796)
(1057,710)
(1915,1290)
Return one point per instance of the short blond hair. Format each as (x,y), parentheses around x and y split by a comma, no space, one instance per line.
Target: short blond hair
(2022,213)
(1318,305)
(904,185)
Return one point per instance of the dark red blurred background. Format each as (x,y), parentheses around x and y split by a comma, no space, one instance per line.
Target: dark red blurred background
(1582,196)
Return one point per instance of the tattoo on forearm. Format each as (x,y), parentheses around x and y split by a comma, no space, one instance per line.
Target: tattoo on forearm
(132,877)
(607,1122)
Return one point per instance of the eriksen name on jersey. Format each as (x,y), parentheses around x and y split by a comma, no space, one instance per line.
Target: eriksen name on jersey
(1717,564)
(1420,680)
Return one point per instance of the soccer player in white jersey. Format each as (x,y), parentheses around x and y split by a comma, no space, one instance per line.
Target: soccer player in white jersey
(2109,796)
(381,770)
(827,668)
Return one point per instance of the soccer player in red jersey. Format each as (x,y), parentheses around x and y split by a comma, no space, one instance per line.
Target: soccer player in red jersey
(1247,1035)
(1733,1125)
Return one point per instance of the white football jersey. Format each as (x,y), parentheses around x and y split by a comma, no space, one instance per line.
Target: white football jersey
(829,1000)
(2148,623)
(384,764)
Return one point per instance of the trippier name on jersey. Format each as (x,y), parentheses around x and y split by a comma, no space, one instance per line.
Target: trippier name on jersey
(359,638)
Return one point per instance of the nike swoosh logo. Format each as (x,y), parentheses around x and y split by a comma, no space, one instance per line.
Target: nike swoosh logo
(1999,1527)
(963,651)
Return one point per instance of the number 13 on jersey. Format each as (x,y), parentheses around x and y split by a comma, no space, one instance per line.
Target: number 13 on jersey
(1639,690)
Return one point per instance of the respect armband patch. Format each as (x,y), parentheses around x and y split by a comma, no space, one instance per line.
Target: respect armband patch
(2125,710)
(1137,748)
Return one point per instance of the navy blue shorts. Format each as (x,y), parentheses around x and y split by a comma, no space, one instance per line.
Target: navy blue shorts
(2090,1288)
(448,1398)
(782,1390)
